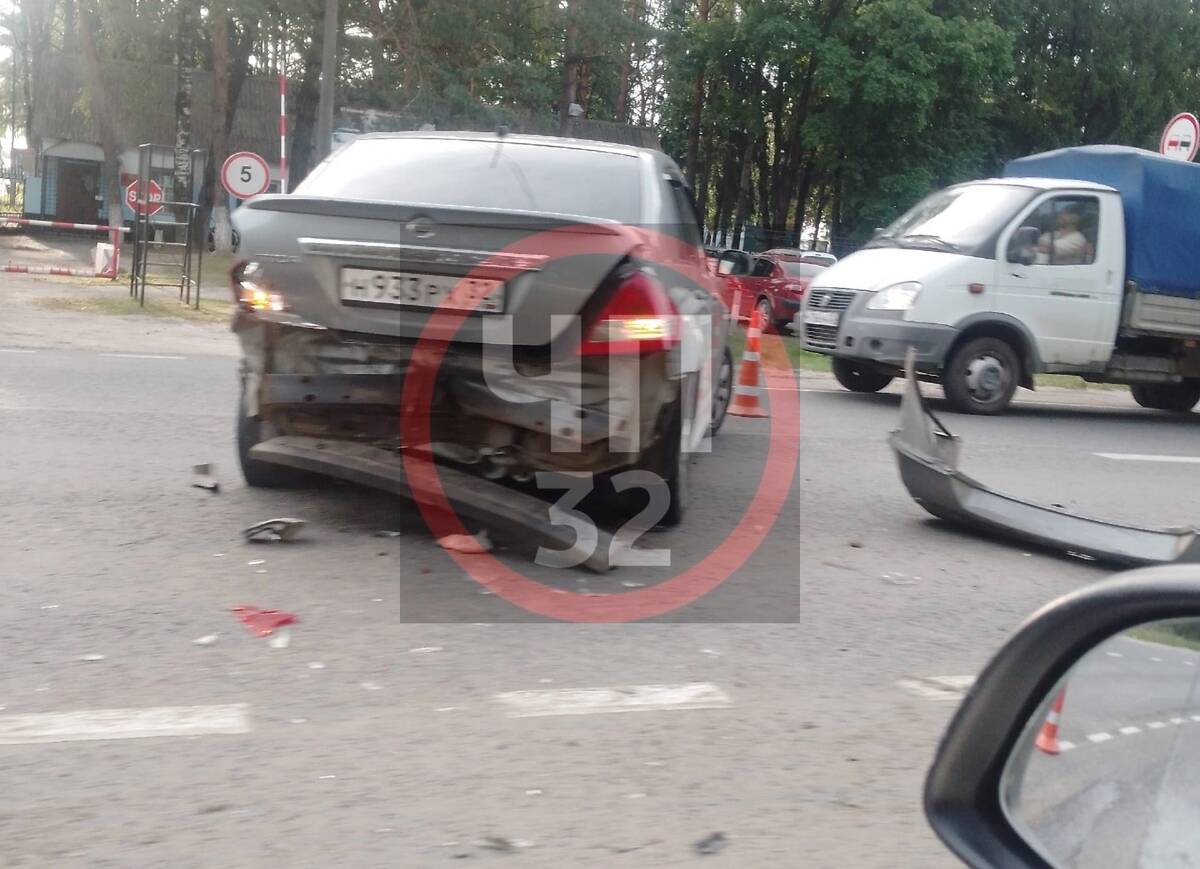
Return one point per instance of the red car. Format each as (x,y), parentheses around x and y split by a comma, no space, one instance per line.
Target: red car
(772,282)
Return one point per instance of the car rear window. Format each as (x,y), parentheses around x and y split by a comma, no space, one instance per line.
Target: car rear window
(482,174)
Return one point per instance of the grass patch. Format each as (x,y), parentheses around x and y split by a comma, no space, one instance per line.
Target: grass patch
(211,310)
(1168,634)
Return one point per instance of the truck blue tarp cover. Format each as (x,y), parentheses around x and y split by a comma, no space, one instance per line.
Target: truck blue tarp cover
(1162,208)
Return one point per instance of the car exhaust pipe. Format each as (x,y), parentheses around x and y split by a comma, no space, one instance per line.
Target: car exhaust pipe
(928,454)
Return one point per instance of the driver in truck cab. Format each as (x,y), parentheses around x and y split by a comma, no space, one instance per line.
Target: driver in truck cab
(1066,245)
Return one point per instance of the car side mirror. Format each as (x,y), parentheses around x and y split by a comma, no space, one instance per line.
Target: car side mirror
(733,263)
(1021,247)
(1079,744)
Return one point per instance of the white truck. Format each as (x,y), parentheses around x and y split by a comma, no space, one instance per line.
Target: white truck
(1081,261)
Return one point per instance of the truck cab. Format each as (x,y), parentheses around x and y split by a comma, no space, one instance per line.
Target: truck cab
(994,281)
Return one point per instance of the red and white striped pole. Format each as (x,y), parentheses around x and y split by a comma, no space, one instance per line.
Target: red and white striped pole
(283,168)
(62,224)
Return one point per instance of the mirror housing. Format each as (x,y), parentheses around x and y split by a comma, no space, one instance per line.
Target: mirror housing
(733,262)
(963,799)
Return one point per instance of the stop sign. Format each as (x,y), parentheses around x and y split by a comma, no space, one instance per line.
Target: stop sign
(154,198)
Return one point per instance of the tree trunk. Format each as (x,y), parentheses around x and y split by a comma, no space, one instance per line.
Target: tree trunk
(101,102)
(184,41)
(818,213)
(744,192)
(300,160)
(802,203)
(219,147)
(697,106)
(628,51)
(570,68)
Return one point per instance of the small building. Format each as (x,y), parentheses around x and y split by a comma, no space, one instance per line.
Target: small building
(65,177)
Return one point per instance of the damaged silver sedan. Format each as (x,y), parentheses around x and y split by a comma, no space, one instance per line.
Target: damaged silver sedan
(559,288)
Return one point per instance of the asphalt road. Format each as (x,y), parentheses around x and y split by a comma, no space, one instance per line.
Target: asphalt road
(407,722)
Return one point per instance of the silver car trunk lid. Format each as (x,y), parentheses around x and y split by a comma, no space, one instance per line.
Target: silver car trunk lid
(549,266)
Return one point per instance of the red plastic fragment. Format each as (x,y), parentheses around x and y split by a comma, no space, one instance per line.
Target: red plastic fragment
(263,622)
(464,543)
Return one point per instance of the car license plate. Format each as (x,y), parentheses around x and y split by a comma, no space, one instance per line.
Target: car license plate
(821,318)
(413,289)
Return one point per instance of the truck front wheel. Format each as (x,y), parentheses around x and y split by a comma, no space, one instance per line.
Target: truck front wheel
(982,376)
(856,378)
(1177,397)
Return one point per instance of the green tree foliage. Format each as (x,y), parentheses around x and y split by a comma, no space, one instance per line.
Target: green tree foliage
(785,114)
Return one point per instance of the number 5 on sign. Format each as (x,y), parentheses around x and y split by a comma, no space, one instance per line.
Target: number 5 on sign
(245,174)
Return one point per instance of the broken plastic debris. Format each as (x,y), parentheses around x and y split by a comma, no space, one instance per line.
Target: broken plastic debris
(899,579)
(206,640)
(51,606)
(499,843)
(711,844)
(209,485)
(281,640)
(263,622)
(91,657)
(255,562)
(204,472)
(369,686)
(423,649)
(466,544)
(533,792)
(315,665)
(389,533)
(712,652)
(274,530)
(628,583)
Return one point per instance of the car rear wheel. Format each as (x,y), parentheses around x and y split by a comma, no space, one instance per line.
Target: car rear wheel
(766,315)
(261,475)
(857,378)
(722,392)
(1176,397)
(982,376)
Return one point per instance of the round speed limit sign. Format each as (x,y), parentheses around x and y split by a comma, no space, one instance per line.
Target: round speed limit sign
(245,174)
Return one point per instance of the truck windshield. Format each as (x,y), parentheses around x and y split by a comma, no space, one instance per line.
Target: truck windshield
(957,220)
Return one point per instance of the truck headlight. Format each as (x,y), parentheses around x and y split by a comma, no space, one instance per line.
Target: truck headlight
(897,297)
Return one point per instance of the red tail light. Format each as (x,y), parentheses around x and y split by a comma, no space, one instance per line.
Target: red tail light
(639,318)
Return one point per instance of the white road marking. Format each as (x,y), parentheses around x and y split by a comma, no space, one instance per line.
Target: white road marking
(1177,721)
(631,698)
(1143,457)
(88,724)
(1130,730)
(1196,718)
(15,350)
(1114,654)
(1155,725)
(938,687)
(1099,737)
(1156,660)
(140,356)
(1063,745)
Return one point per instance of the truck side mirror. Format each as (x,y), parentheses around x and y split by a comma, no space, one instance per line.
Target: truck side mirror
(1021,245)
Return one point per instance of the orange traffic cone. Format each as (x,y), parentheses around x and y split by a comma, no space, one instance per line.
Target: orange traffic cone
(745,392)
(1047,738)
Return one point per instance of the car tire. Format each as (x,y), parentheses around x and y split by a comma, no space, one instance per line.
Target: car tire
(767,315)
(673,468)
(262,475)
(1174,397)
(982,376)
(856,378)
(722,392)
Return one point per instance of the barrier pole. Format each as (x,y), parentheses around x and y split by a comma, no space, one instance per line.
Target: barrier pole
(283,170)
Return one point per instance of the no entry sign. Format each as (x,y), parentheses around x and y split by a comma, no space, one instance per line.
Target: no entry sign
(245,174)
(1181,138)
